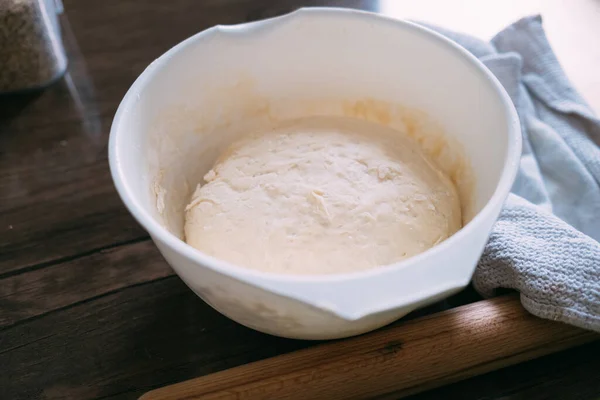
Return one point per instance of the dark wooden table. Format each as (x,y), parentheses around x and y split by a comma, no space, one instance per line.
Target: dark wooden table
(88,307)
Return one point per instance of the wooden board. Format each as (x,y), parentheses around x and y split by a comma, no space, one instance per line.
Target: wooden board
(411,357)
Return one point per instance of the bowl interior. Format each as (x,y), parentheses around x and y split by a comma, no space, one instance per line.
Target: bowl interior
(194,100)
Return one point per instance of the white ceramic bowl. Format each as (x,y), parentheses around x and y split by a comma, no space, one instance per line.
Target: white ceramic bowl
(190,103)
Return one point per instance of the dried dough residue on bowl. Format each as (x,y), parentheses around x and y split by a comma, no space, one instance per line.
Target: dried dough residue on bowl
(186,138)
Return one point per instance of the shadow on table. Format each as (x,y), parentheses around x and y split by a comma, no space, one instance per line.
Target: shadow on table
(11,104)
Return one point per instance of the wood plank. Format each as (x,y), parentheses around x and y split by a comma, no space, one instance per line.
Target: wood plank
(411,357)
(56,195)
(125,342)
(41,291)
(66,210)
(568,375)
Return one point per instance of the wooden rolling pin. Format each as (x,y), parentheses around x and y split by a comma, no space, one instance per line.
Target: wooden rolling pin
(411,357)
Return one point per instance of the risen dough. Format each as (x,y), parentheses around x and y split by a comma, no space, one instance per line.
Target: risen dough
(321,196)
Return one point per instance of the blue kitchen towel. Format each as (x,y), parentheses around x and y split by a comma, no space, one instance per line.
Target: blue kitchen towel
(546,242)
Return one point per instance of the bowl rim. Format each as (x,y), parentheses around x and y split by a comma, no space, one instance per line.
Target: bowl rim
(157,231)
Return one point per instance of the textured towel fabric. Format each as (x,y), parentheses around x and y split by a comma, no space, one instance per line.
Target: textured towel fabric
(545,244)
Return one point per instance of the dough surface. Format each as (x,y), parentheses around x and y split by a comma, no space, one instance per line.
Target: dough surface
(322,195)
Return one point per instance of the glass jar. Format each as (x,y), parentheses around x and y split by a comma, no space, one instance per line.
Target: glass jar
(31,50)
